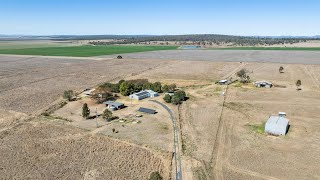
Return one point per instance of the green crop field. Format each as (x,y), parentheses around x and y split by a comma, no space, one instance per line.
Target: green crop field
(272,48)
(84,51)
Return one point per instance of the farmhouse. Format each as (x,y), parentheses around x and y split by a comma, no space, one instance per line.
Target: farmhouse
(146,110)
(277,125)
(143,94)
(265,84)
(112,105)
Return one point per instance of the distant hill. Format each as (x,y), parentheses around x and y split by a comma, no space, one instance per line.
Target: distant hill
(195,39)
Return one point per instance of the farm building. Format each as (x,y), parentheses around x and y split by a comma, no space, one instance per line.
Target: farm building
(112,105)
(88,92)
(146,110)
(277,125)
(224,82)
(143,94)
(265,84)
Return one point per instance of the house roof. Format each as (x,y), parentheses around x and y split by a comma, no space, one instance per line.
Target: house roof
(146,110)
(141,93)
(113,103)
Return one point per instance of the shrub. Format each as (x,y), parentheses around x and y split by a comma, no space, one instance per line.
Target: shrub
(167,98)
(155,176)
(68,94)
(107,114)
(298,84)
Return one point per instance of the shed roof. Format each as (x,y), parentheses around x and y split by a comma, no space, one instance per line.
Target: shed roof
(141,93)
(277,125)
(223,81)
(146,110)
(113,103)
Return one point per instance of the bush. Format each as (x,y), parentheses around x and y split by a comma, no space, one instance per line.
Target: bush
(107,114)
(68,94)
(155,176)
(167,98)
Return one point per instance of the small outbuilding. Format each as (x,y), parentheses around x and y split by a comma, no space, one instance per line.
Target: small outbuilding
(146,110)
(88,92)
(114,105)
(265,84)
(224,82)
(277,125)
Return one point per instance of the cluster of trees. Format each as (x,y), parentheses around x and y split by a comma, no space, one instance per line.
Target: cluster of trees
(131,86)
(176,99)
(203,39)
(107,114)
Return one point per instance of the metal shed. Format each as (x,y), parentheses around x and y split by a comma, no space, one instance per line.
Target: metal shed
(277,125)
(265,84)
(146,110)
(113,104)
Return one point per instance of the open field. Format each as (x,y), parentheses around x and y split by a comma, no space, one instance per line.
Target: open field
(218,141)
(273,48)
(29,84)
(83,51)
(5,44)
(228,148)
(286,57)
(51,150)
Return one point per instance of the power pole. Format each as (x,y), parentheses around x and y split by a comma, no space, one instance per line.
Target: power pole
(97,117)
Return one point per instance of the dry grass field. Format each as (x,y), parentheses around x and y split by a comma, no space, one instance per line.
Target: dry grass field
(219,138)
(48,150)
(228,148)
(29,84)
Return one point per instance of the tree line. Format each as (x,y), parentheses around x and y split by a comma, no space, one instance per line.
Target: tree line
(204,39)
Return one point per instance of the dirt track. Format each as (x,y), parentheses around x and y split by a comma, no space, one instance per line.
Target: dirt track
(290,57)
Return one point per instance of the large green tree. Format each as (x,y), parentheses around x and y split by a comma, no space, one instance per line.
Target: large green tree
(157,87)
(181,95)
(175,100)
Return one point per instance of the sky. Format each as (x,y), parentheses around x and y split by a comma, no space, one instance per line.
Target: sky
(160,17)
